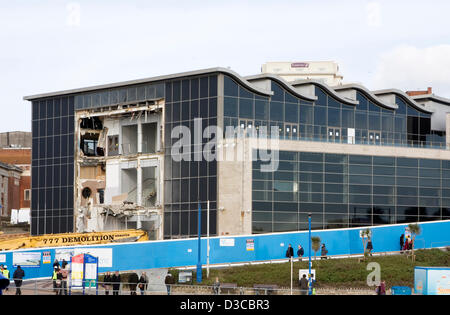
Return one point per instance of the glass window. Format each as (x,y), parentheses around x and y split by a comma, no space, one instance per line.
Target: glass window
(334,117)
(360,159)
(246,108)
(276,111)
(204,87)
(230,87)
(291,112)
(261,109)
(348,120)
(361,120)
(321,97)
(362,101)
(374,122)
(195,86)
(306,114)
(320,116)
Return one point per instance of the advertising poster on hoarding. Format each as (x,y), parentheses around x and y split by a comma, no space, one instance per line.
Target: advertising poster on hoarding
(76,272)
(27,259)
(46,258)
(250,245)
(227,242)
(90,271)
(105,255)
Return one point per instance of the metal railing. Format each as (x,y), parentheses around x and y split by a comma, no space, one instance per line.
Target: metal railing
(45,287)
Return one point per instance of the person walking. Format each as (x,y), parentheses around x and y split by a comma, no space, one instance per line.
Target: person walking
(143,280)
(63,274)
(216,286)
(381,288)
(169,281)
(56,279)
(303,283)
(402,241)
(300,251)
(369,247)
(324,252)
(290,252)
(107,282)
(18,276)
(132,282)
(5,273)
(115,280)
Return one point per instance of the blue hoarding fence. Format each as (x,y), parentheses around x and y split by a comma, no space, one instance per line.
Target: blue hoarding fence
(224,249)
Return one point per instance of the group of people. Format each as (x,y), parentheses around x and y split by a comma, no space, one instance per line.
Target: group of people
(301,251)
(134,281)
(406,244)
(60,276)
(18,276)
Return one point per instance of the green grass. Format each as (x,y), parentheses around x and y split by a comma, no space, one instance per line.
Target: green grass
(343,273)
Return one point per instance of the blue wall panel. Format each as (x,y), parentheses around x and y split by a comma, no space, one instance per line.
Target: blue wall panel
(176,253)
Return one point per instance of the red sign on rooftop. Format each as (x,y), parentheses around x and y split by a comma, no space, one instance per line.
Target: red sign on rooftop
(299,65)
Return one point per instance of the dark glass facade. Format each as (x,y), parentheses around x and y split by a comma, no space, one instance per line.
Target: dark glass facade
(189,182)
(328,119)
(348,190)
(52,165)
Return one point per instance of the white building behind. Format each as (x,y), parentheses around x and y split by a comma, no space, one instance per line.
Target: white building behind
(324,71)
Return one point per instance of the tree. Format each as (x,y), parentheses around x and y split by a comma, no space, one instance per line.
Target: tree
(415,230)
(315,244)
(365,235)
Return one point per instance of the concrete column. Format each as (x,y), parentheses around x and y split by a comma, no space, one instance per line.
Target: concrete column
(139,183)
(139,136)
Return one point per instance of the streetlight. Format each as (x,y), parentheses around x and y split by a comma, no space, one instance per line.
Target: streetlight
(309,280)
(207,246)
(199,262)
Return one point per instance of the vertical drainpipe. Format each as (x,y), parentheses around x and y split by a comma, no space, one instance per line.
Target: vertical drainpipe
(139,170)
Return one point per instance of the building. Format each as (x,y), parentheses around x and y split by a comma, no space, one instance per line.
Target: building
(323,71)
(15,151)
(146,154)
(15,139)
(20,158)
(9,188)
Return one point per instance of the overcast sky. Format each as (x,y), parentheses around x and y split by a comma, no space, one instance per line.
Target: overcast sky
(52,45)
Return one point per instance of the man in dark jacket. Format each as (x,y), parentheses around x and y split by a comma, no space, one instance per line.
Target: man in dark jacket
(290,252)
(18,275)
(132,282)
(303,285)
(324,252)
(115,280)
(402,241)
(300,251)
(169,281)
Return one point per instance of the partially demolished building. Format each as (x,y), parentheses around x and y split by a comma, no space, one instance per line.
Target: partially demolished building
(107,157)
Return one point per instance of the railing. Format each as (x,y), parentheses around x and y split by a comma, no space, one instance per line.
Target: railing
(357,140)
(45,287)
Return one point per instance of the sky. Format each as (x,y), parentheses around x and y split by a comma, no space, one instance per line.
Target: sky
(53,45)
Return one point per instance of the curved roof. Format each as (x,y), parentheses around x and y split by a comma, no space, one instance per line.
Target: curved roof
(328,89)
(236,76)
(405,97)
(283,82)
(432,97)
(367,93)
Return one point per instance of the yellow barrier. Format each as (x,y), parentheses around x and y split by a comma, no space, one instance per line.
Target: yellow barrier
(70,239)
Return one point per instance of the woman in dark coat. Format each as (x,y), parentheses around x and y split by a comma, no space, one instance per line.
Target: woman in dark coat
(132,282)
(143,283)
(107,283)
(115,280)
(18,275)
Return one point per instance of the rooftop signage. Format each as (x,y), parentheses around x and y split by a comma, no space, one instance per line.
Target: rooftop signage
(300,65)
